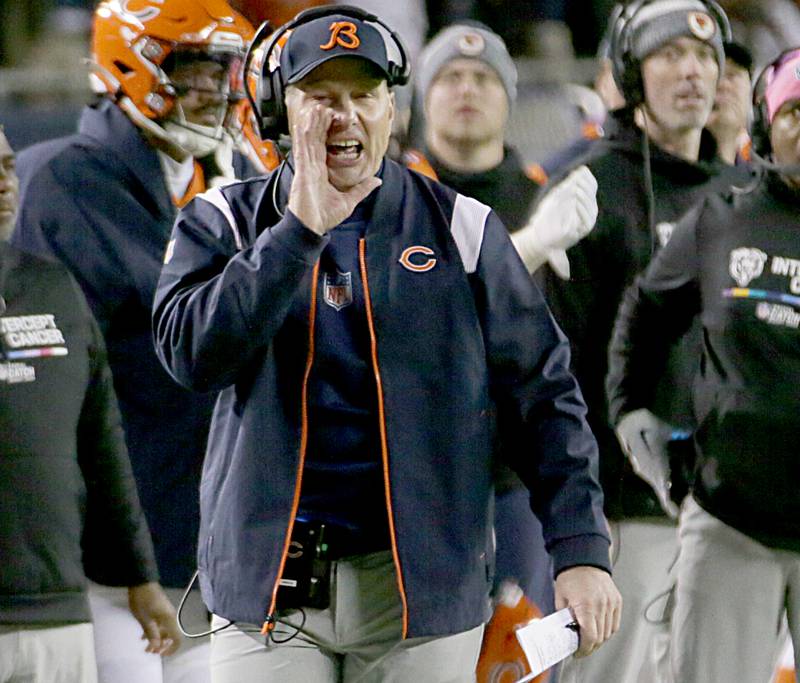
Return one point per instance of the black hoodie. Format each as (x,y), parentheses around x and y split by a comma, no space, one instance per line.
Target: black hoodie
(734,264)
(68,502)
(633,223)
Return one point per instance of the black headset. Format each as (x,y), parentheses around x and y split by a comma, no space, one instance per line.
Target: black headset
(267,102)
(626,68)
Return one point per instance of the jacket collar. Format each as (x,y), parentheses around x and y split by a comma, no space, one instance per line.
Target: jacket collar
(510,165)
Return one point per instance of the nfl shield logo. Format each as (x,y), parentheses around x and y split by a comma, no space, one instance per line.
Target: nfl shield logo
(338,290)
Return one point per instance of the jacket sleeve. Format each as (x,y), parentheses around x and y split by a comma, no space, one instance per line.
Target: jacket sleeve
(541,413)
(217,307)
(655,312)
(116,544)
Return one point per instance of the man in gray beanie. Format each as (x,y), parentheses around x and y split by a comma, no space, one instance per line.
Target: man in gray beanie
(464,86)
(466,83)
(653,24)
(656,162)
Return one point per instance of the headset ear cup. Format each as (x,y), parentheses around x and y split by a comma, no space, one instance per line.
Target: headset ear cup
(265,102)
(632,81)
(257,102)
(397,75)
(759,133)
(273,110)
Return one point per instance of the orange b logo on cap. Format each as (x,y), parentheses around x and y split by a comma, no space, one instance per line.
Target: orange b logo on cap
(343,33)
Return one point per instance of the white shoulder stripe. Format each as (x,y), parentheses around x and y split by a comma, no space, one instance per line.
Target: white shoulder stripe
(467,226)
(215,197)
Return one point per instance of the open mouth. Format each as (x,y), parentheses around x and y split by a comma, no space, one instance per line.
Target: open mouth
(344,150)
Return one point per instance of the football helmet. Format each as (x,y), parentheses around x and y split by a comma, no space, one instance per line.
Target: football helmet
(138,44)
(243,125)
(263,154)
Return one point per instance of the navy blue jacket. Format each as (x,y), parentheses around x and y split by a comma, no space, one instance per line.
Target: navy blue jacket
(97,201)
(463,344)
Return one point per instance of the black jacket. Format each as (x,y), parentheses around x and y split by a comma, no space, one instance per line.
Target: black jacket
(508,188)
(68,503)
(606,262)
(735,263)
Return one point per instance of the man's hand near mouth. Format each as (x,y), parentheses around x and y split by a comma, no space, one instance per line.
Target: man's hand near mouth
(315,202)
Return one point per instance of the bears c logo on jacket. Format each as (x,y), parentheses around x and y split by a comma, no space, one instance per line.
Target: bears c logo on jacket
(418,265)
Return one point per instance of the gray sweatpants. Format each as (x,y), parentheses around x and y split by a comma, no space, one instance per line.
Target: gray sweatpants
(355,640)
(731,596)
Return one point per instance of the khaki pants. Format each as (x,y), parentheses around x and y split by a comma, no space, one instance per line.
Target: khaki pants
(59,654)
(732,595)
(121,656)
(355,640)
(644,551)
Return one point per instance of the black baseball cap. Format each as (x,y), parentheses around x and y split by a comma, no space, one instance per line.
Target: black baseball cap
(336,35)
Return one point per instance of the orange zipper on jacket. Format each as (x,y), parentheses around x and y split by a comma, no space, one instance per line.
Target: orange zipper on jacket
(269,623)
(382,424)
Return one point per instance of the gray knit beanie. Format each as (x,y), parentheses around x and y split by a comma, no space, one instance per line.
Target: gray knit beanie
(656,23)
(472,42)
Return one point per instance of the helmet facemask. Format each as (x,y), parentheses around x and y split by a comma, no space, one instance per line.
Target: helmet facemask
(203,93)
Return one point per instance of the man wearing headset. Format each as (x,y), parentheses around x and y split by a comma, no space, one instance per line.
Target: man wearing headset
(655,164)
(103,202)
(733,264)
(370,331)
